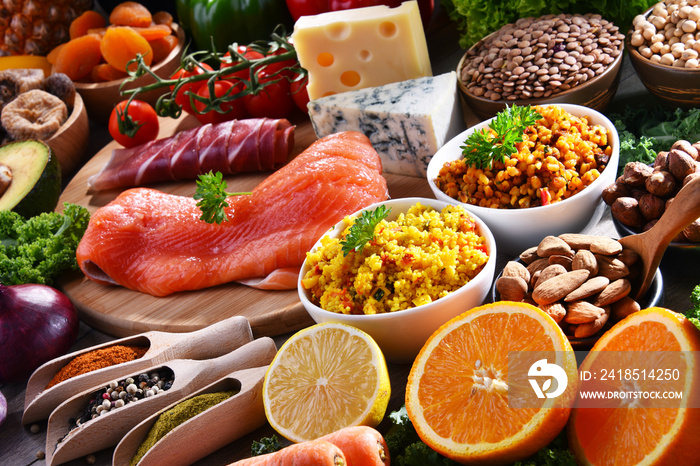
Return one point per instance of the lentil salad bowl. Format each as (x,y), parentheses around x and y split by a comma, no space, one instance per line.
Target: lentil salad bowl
(429,260)
(573,204)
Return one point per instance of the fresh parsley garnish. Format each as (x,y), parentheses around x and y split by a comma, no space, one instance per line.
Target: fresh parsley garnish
(211,192)
(498,140)
(362,231)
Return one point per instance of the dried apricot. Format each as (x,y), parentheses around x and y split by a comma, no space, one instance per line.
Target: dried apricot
(83,23)
(78,56)
(162,47)
(154,31)
(122,44)
(53,54)
(163,17)
(131,14)
(105,72)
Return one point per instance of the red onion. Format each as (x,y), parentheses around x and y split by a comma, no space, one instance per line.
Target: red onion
(3,408)
(37,323)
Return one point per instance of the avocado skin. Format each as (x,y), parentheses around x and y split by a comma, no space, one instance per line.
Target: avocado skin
(43,197)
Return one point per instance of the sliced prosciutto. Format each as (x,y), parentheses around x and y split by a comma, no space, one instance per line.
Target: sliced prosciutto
(251,145)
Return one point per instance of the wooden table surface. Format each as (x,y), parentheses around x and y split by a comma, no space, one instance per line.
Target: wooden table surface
(19,446)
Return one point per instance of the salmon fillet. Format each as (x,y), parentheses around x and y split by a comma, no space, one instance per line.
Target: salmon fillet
(154,242)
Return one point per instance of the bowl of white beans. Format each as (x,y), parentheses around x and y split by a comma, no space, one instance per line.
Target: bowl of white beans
(664,48)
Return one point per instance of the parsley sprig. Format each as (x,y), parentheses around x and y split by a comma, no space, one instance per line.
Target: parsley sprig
(498,140)
(212,194)
(362,231)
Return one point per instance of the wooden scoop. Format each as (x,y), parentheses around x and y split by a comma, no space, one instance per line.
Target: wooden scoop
(106,430)
(209,342)
(651,244)
(233,418)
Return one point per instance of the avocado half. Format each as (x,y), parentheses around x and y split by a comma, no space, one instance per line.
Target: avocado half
(36,178)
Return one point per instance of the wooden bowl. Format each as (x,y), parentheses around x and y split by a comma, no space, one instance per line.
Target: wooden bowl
(678,87)
(100,98)
(596,93)
(70,141)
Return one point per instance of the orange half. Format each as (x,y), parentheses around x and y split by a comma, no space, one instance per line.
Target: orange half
(640,431)
(457,395)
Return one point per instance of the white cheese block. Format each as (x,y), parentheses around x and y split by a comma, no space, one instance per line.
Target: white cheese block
(362,47)
(407,122)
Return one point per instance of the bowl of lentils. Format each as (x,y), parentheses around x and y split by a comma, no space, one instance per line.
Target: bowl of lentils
(548,180)
(664,48)
(565,58)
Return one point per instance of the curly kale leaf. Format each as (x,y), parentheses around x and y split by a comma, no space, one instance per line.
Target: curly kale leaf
(39,249)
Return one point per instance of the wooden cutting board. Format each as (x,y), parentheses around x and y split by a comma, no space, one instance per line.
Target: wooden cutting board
(122,312)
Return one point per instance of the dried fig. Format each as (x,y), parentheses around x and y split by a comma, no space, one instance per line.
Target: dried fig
(626,211)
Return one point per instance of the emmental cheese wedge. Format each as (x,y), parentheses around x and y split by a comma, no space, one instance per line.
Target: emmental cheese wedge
(362,47)
(406,122)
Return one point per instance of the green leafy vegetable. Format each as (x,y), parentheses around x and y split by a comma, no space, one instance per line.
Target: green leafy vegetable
(476,19)
(39,249)
(212,194)
(646,131)
(694,313)
(265,445)
(407,449)
(362,231)
(498,141)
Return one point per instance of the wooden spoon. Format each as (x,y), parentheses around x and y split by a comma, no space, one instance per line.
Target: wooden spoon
(206,343)
(64,444)
(233,418)
(651,244)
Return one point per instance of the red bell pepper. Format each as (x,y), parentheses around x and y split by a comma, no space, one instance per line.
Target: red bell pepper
(299,8)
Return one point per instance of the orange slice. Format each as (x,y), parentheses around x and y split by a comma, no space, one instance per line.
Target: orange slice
(462,390)
(638,431)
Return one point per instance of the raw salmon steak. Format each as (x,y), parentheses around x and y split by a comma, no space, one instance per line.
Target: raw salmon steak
(154,242)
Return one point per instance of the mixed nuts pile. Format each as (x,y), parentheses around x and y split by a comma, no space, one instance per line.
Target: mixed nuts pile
(581,281)
(642,193)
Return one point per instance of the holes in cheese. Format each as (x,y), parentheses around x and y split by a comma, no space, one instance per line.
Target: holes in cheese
(363,47)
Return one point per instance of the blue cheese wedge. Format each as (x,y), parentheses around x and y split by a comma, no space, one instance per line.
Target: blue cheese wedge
(406,122)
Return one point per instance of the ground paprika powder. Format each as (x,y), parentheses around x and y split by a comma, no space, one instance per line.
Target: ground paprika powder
(97,359)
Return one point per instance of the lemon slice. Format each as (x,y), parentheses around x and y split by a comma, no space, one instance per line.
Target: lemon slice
(326,377)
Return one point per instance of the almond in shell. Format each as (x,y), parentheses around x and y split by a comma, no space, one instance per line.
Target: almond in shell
(611,267)
(552,245)
(555,310)
(558,287)
(624,307)
(585,260)
(516,269)
(591,328)
(511,288)
(606,246)
(548,272)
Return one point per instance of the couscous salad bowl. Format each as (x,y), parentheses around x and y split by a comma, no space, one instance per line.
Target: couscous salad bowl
(427,261)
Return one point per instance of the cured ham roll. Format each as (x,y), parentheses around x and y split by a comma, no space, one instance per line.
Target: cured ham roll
(154,242)
(237,146)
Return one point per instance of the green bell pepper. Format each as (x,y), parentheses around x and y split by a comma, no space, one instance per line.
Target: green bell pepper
(229,21)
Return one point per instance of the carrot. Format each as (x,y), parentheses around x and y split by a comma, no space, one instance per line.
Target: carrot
(311,453)
(83,23)
(362,445)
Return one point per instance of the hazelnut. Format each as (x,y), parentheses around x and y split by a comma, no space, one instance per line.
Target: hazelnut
(661,183)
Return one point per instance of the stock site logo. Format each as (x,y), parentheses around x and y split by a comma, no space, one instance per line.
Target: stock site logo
(542,369)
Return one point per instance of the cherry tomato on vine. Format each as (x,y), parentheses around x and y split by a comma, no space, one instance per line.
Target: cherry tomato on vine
(181,98)
(273,101)
(250,54)
(299,94)
(139,123)
(233,110)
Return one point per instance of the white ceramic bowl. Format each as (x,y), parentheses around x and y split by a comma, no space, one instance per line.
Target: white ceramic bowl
(402,334)
(516,230)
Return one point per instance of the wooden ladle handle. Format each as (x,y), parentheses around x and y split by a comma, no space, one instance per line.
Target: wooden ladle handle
(683,210)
